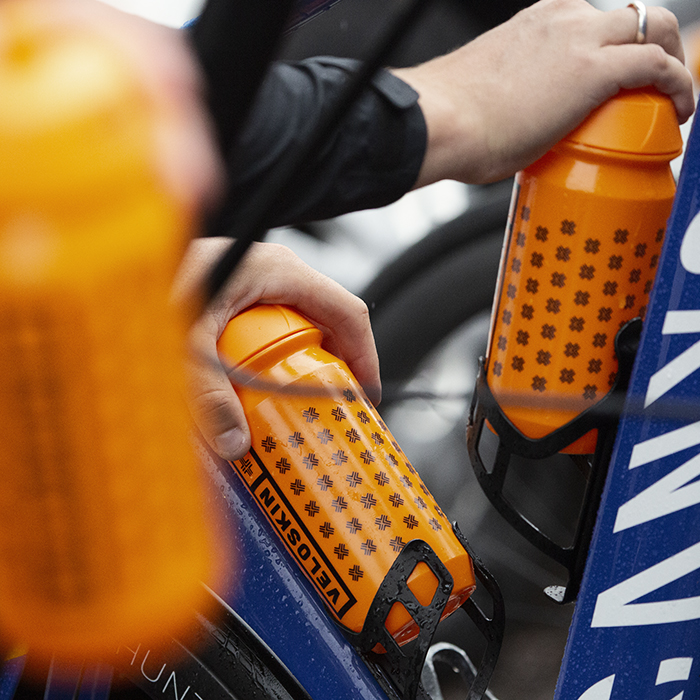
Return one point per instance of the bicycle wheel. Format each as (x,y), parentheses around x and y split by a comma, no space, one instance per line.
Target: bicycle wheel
(432,303)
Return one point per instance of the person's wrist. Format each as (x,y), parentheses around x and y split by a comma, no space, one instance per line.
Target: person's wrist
(454,151)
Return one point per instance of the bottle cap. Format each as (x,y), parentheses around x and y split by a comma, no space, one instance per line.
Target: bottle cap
(640,122)
(258,328)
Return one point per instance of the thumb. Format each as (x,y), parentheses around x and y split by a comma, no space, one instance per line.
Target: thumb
(214,406)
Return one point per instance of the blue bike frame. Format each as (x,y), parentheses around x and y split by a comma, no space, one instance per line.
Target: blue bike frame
(636,627)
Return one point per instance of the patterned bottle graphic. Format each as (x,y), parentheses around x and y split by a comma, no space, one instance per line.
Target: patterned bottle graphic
(328,474)
(102,536)
(585,232)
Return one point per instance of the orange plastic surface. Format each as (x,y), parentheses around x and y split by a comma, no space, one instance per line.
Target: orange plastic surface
(585,233)
(330,477)
(635,122)
(257,331)
(102,534)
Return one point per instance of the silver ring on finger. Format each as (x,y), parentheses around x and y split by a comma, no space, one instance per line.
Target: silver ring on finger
(641,9)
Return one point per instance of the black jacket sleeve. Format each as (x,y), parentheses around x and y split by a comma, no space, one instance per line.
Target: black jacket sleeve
(372,159)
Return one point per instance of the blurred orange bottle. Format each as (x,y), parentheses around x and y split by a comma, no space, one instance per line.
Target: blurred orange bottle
(102,537)
(328,474)
(584,236)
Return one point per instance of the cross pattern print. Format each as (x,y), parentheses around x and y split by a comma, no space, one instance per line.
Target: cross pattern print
(570,281)
(342,472)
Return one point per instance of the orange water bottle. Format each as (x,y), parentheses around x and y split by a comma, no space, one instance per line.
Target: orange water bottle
(584,236)
(329,476)
(102,538)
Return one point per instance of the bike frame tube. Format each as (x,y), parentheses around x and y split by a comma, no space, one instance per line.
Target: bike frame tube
(279,604)
(266,591)
(636,627)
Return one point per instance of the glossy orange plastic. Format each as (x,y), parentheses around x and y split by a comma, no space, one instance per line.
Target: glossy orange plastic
(327,473)
(102,535)
(584,236)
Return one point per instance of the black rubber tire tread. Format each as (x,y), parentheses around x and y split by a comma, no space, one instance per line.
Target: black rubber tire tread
(475,223)
(433,303)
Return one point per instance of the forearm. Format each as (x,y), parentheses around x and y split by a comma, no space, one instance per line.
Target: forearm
(455,145)
(500,102)
(372,158)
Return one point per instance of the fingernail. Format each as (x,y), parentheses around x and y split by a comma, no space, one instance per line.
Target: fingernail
(232,444)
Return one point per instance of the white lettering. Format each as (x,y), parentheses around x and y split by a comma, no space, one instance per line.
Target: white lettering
(671,493)
(135,653)
(675,371)
(681,322)
(665,445)
(602,690)
(614,607)
(672,670)
(143,672)
(173,678)
(690,247)
(668,495)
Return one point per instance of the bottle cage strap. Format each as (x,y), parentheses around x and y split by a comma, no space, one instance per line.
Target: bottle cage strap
(602,416)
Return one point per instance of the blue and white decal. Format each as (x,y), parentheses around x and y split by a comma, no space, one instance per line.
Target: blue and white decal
(636,628)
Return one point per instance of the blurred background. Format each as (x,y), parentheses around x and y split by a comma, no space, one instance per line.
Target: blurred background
(426,266)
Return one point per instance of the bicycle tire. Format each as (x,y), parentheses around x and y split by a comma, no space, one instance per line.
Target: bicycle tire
(486,217)
(409,324)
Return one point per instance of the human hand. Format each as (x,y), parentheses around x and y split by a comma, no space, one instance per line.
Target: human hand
(500,102)
(269,273)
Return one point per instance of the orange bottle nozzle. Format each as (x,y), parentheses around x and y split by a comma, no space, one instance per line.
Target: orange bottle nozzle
(635,122)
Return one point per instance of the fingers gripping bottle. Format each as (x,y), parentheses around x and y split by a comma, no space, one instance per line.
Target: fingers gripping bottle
(585,232)
(102,539)
(328,474)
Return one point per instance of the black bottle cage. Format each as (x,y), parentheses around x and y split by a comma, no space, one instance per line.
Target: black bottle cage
(399,669)
(225,657)
(603,416)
